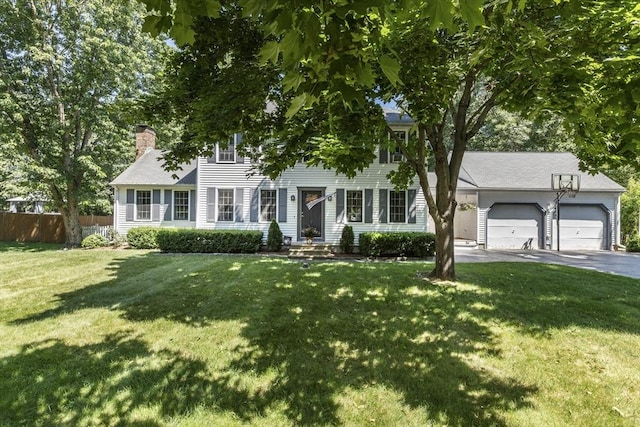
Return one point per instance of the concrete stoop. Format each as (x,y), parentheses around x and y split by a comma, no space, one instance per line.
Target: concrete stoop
(311,251)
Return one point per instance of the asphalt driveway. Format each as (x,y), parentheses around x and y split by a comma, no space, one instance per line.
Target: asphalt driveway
(621,263)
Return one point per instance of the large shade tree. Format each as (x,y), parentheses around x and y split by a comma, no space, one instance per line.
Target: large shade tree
(69,70)
(323,67)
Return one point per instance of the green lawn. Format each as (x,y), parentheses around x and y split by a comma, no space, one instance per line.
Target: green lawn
(108,337)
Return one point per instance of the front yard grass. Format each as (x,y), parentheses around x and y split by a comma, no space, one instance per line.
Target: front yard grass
(113,337)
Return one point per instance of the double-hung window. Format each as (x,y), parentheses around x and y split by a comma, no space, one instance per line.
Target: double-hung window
(228,154)
(354,206)
(267,205)
(225,204)
(397,206)
(180,205)
(143,205)
(396,153)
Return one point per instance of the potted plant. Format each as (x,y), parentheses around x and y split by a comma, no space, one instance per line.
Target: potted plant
(310,232)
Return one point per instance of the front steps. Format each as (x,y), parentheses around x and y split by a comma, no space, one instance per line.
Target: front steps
(310,251)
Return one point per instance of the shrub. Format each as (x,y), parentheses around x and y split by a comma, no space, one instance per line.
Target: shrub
(143,237)
(411,244)
(274,237)
(347,239)
(94,241)
(633,243)
(208,241)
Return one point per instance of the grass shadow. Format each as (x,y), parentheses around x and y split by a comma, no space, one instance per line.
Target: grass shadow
(315,332)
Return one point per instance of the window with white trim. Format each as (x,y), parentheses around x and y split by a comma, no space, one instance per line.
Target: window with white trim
(225,204)
(227,155)
(180,205)
(397,206)
(354,205)
(143,205)
(268,199)
(395,154)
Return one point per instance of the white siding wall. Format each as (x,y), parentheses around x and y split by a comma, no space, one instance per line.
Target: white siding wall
(218,175)
(121,224)
(545,199)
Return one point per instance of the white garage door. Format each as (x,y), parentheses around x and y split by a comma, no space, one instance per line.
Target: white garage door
(514,226)
(582,227)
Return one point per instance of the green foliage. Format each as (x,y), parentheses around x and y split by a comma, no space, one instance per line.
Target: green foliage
(274,237)
(633,243)
(630,211)
(65,89)
(94,241)
(346,239)
(209,241)
(411,244)
(143,237)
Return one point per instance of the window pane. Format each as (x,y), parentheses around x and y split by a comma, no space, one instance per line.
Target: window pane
(143,205)
(397,206)
(227,154)
(267,205)
(354,206)
(180,205)
(225,205)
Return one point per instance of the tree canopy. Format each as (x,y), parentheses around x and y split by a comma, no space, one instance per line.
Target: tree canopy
(324,83)
(70,71)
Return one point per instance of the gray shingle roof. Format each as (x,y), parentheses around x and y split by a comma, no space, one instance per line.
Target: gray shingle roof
(148,170)
(527,171)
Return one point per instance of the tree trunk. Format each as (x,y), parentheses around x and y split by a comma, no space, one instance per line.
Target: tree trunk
(445,260)
(73,229)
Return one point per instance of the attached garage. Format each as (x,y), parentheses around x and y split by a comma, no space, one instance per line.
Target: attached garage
(515,226)
(583,227)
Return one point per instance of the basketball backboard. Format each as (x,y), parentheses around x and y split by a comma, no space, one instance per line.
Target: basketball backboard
(565,182)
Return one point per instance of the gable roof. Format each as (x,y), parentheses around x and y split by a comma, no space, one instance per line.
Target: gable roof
(527,171)
(148,170)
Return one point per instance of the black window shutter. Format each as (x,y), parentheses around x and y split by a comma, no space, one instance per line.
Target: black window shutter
(155,207)
(213,158)
(340,205)
(412,206)
(282,205)
(239,158)
(192,205)
(383,156)
(254,208)
(368,205)
(382,213)
(131,200)
(239,205)
(211,204)
(168,202)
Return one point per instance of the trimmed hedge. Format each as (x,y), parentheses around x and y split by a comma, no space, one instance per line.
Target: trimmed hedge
(208,241)
(347,239)
(274,237)
(411,244)
(143,237)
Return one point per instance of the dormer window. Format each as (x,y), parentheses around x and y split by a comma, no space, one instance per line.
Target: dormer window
(228,154)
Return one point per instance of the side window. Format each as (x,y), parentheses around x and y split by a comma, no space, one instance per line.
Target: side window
(397,206)
(181,205)
(143,205)
(354,206)
(268,205)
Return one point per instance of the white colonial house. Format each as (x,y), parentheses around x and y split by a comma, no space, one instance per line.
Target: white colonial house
(505,199)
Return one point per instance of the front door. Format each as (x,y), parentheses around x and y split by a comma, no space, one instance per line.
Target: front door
(311,217)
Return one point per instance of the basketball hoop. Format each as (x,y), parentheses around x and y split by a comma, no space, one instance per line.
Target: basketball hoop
(564,183)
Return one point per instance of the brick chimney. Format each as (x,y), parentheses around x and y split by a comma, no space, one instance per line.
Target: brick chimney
(145,138)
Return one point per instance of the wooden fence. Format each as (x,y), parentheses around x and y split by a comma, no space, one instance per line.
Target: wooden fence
(44,228)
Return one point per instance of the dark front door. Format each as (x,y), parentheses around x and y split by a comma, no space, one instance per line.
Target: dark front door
(311,217)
